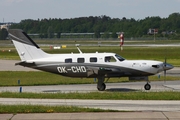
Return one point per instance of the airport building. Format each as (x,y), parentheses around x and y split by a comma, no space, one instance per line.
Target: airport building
(6,26)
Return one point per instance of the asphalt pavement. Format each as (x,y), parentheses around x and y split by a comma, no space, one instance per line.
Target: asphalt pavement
(94,116)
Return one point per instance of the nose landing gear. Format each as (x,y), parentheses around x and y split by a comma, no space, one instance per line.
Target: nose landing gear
(147,86)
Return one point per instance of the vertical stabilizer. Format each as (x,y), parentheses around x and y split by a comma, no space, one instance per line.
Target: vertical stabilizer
(26,47)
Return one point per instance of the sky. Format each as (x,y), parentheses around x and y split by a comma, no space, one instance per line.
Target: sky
(17,10)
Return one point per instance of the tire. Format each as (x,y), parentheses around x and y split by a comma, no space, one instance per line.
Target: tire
(102,87)
(147,86)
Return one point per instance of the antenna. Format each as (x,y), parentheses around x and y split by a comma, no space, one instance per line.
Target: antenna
(79,50)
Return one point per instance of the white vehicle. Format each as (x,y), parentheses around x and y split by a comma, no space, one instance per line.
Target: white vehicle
(89,65)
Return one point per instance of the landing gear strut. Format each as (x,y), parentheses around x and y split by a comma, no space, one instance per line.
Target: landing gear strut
(147,86)
(101,86)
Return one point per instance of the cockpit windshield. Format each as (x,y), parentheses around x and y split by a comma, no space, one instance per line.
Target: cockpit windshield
(119,58)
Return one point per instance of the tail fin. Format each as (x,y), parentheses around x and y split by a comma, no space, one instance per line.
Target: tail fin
(26,47)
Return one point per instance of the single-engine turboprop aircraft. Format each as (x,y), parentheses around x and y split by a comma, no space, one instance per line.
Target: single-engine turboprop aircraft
(89,65)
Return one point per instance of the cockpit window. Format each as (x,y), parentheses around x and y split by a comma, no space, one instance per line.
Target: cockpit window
(109,59)
(119,58)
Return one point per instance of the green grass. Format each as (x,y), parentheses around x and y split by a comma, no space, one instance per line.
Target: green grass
(10,78)
(46,109)
(138,95)
(29,78)
(131,53)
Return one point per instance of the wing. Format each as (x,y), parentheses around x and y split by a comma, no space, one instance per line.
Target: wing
(103,71)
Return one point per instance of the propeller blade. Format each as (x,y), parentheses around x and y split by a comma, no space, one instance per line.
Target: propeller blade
(164,76)
(165,63)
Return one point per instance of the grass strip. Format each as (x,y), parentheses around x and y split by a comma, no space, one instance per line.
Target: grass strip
(31,78)
(139,95)
(47,109)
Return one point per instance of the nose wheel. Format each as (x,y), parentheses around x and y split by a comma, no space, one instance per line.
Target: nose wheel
(147,86)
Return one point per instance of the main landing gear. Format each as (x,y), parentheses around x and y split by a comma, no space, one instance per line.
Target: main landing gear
(101,86)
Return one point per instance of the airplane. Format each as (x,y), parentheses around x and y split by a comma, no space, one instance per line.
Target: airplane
(84,65)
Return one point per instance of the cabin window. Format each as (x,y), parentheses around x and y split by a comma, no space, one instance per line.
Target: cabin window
(69,60)
(80,60)
(109,59)
(93,59)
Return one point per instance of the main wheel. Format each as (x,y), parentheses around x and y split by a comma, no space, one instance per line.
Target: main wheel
(102,87)
(147,86)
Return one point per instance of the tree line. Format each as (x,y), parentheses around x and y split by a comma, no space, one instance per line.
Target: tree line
(3,34)
(167,27)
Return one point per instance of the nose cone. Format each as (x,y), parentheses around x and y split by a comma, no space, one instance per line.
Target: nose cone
(168,66)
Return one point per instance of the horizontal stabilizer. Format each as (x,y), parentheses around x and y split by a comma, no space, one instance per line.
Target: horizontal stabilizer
(26,64)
